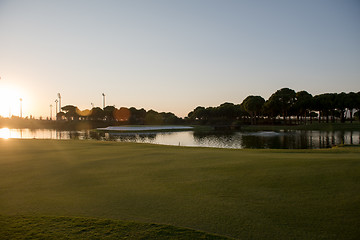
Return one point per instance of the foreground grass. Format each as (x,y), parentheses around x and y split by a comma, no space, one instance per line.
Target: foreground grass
(31,227)
(246,194)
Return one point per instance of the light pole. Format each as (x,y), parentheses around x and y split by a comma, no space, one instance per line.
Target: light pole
(92,105)
(103,100)
(20,107)
(59,96)
(51,111)
(56,107)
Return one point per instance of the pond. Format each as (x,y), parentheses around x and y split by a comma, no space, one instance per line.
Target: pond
(264,139)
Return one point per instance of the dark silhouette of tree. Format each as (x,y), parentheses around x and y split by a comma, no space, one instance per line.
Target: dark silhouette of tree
(285,103)
(317,105)
(71,112)
(325,104)
(122,114)
(358,105)
(199,114)
(312,116)
(97,114)
(271,109)
(351,104)
(59,116)
(282,100)
(303,104)
(253,105)
(225,114)
(332,106)
(169,118)
(137,116)
(153,117)
(341,104)
(109,113)
(228,111)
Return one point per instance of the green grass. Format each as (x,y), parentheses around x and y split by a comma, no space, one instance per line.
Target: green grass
(245,194)
(32,227)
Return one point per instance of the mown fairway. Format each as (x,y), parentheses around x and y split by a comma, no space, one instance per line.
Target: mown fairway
(245,194)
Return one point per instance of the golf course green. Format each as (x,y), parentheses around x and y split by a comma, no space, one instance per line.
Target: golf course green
(92,189)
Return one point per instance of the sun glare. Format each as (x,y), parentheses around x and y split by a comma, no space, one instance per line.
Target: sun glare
(10,98)
(4,133)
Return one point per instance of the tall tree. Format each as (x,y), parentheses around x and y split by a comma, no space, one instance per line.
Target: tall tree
(351,103)
(253,105)
(97,113)
(341,104)
(70,112)
(358,104)
(227,111)
(153,117)
(199,113)
(137,116)
(324,103)
(109,112)
(122,114)
(303,103)
(282,99)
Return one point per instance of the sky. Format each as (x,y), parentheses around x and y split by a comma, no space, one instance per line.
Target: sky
(172,55)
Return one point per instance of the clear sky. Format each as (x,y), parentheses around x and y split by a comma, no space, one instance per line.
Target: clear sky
(173,55)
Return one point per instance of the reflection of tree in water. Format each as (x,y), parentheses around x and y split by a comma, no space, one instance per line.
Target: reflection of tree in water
(324,139)
(305,140)
(34,133)
(201,136)
(249,141)
(96,135)
(132,137)
(74,135)
(218,139)
(286,140)
(342,137)
(147,137)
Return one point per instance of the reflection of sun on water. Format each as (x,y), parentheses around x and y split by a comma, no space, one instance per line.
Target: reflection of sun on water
(5,133)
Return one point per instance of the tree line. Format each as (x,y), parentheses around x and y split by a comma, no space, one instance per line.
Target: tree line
(122,115)
(284,106)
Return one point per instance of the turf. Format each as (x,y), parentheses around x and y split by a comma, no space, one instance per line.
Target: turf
(245,194)
(45,227)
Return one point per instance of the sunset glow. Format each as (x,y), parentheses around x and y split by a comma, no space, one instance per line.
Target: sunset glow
(5,133)
(10,101)
(172,56)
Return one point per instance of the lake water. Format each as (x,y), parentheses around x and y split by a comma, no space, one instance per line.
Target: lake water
(265,139)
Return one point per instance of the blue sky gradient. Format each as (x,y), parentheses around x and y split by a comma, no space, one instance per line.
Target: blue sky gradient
(176,55)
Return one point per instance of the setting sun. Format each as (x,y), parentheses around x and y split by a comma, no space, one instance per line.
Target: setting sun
(10,98)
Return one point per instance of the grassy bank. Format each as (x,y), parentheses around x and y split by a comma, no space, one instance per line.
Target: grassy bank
(246,194)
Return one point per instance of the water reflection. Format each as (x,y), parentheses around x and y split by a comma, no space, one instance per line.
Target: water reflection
(276,140)
(131,137)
